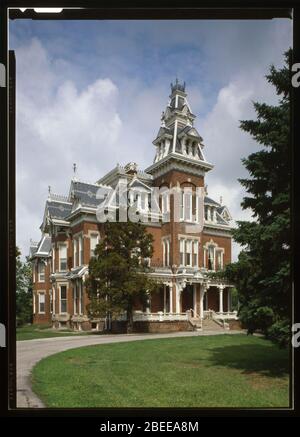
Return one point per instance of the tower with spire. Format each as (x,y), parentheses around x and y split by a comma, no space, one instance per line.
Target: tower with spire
(178,144)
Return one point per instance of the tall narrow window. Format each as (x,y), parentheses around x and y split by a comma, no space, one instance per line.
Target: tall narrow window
(166,252)
(63,257)
(33,271)
(75,252)
(188,252)
(195,253)
(181,249)
(53,259)
(81,298)
(188,206)
(80,247)
(41,303)
(211,261)
(93,243)
(41,271)
(219,260)
(63,299)
(75,298)
(182,205)
(51,301)
(165,203)
(34,304)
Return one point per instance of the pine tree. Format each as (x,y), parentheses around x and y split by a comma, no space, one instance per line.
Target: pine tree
(118,273)
(23,290)
(262,273)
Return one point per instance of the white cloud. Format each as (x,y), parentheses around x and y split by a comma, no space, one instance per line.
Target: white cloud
(57,125)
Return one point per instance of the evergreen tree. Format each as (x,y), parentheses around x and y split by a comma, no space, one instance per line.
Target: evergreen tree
(23,290)
(118,273)
(262,273)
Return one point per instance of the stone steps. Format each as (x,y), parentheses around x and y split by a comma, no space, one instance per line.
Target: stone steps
(211,325)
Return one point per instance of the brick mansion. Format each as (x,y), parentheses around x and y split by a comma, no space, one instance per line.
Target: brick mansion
(188,297)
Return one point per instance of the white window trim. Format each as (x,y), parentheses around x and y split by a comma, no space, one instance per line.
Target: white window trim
(189,242)
(59,258)
(39,294)
(75,244)
(80,250)
(75,291)
(34,303)
(33,271)
(60,311)
(41,263)
(93,234)
(196,252)
(166,251)
(53,258)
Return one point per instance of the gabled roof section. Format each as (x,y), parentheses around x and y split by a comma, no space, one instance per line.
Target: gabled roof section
(191,131)
(136,183)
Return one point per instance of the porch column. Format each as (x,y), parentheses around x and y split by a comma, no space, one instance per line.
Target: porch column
(221,287)
(165,297)
(177,303)
(148,303)
(195,298)
(171,299)
(201,301)
(228,299)
(53,300)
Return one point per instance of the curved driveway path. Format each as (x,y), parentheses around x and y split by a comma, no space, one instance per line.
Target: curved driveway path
(29,352)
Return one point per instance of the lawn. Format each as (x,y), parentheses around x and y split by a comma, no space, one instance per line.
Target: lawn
(204,371)
(31,332)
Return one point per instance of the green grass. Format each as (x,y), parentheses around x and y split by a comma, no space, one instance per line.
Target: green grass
(204,371)
(31,332)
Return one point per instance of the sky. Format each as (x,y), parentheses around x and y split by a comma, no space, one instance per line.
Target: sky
(92,93)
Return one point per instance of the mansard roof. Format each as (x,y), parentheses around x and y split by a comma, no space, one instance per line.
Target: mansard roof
(58,209)
(84,193)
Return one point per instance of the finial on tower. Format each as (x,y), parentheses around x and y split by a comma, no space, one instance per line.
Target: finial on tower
(49,191)
(221,200)
(177,86)
(74,170)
